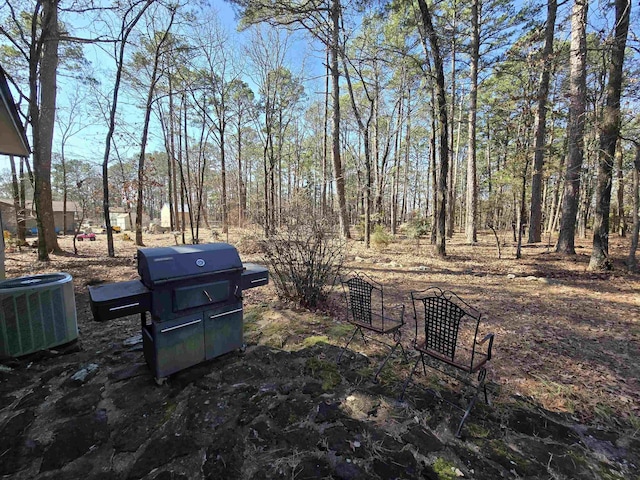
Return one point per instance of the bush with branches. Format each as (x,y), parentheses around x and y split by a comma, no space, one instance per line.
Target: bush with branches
(304,255)
(380,238)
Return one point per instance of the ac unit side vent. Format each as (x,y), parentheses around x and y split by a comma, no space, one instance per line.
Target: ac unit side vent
(36,316)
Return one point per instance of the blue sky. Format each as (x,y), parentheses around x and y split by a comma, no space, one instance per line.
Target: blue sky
(89,143)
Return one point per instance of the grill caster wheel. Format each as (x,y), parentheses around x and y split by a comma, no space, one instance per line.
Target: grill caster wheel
(160,381)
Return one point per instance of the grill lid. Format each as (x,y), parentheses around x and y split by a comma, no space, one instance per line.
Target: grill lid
(169,264)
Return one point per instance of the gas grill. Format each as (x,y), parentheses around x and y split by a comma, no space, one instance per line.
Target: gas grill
(194,296)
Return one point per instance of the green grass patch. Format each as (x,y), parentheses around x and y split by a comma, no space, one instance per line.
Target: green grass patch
(477,431)
(444,469)
(311,341)
(340,330)
(326,372)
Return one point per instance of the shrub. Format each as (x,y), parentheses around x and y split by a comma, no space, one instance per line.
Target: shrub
(417,227)
(304,255)
(380,237)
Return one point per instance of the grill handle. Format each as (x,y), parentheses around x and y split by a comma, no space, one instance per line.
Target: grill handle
(164,330)
(162,281)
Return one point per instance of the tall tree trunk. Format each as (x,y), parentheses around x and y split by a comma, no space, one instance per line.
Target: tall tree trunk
(185,182)
(365,129)
(535,215)
(169,147)
(242,188)
(125,31)
(223,179)
(472,181)
(145,127)
(575,133)
(335,91)
(427,23)
(632,263)
(452,152)
(622,221)
(433,141)
(608,139)
(325,152)
(15,190)
(42,81)
(22,223)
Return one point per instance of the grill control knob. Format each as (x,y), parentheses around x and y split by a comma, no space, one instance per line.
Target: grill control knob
(200,262)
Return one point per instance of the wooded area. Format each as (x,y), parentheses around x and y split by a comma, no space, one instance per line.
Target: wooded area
(437,117)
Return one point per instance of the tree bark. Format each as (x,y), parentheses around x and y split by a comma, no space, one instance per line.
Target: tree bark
(42,105)
(622,221)
(335,91)
(608,140)
(535,215)
(575,131)
(453,152)
(17,207)
(632,264)
(427,23)
(145,128)
(125,31)
(472,181)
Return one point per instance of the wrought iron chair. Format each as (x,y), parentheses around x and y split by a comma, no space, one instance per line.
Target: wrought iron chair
(446,337)
(366,312)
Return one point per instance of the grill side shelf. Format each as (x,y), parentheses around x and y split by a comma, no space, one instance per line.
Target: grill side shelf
(120,299)
(254,275)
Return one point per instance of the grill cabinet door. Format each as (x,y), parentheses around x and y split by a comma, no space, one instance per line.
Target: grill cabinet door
(200,295)
(178,344)
(223,330)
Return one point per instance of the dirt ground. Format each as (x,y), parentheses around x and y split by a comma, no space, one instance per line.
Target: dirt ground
(566,337)
(567,340)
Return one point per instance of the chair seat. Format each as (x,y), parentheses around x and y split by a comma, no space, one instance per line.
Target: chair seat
(387,326)
(463,361)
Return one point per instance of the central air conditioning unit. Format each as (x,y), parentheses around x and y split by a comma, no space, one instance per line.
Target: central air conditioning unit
(36,312)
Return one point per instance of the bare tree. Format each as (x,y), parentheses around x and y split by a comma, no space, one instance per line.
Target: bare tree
(609,138)
(535,215)
(632,263)
(322,20)
(130,17)
(443,146)
(575,130)
(157,45)
(71,121)
(472,178)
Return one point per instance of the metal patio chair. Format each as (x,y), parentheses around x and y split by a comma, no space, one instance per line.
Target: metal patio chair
(366,312)
(446,338)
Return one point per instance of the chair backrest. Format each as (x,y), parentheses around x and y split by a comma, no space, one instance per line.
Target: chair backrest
(443,314)
(364,297)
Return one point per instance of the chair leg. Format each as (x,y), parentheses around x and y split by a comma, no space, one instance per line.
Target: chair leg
(350,340)
(375,377)
(406,382)
(481,378)
(466,413)
(481,387)
(404,353)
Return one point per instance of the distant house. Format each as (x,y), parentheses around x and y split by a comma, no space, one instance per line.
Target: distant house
(9,215)
(165,215)
(119,217)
